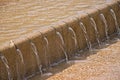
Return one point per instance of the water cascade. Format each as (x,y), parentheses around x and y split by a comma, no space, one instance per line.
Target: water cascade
(116,23)
(96,30)
(106,26)
(86,36)
(74,36)
(46,50)
(5,62)
(22,64)
(37,57)
(47,47)
(63,45)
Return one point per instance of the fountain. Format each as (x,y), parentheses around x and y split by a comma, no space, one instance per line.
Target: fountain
(93,23)
(5,62)
(47,60)
(22,64)
(74,36)
(36,56)
(22,47)
(116,23)
(63,45)
(96,30)
(106,26)
(86,36)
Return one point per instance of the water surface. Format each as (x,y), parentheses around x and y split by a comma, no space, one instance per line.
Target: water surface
(22,17)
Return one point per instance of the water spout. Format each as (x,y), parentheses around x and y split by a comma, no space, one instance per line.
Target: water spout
(74,36)
(18,64)
(46,49)
(37,57)
(22,61)
(61,38)
(116,23)
(5,62)
(106,26)
(63,45)
(96,30)
(86,36)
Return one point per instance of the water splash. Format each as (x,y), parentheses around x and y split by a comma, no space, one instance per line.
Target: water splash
(37,57)
(86,36)
(96,30)
(74,36)
(18,64)
(63,45)
(116,23)
(46,49)
(106,26)
(5,62)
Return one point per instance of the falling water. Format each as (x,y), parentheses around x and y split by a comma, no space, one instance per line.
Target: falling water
(61,38)
(5,62)
(86,36)
(22,62)
(96,31)
(46,49)
(74,36)
(63,45)
(116,23)
(37,57)
(20,54)
(106,26)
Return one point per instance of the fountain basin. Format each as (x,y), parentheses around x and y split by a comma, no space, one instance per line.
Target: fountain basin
(52,49)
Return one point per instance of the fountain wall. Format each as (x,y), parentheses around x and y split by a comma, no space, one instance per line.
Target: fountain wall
(49,45)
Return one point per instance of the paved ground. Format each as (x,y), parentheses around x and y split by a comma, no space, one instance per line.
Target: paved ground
(102,65)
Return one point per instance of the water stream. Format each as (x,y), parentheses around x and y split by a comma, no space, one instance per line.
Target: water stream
(46,50)
(86,36)
(5,62)
(63,45)
(74,37)
(96,30)
(116,23)
(106,26)
(20,65)
(37,57)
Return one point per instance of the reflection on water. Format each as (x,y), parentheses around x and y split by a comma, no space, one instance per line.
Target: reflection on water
(21,17)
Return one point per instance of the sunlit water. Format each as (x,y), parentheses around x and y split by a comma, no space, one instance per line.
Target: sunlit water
(21,17)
